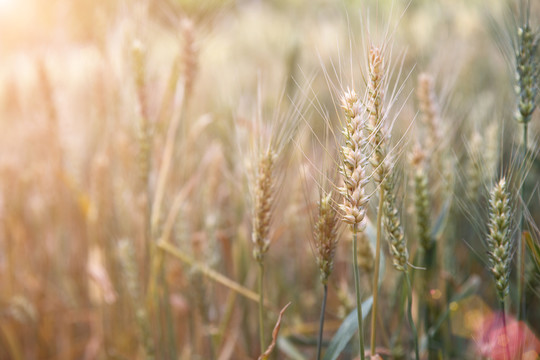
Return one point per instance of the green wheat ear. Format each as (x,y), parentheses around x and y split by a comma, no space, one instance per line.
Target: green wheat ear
(392,224)
(499,239)
(421,198)
(527,72)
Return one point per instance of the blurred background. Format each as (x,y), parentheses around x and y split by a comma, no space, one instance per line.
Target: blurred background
(88,93)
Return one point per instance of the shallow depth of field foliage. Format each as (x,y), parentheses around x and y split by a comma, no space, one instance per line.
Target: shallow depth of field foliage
(173,173)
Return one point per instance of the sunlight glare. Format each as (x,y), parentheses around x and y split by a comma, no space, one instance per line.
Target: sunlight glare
(7,6)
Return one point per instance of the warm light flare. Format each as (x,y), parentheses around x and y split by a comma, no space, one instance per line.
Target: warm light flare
(7,6)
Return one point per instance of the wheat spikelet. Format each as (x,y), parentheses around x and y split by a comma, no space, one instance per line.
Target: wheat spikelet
(264,200)
(353,168)
(430,111)
(421,198)
(392,224)
(474,168)
(499,237)
(374,106)
(326,236)
(527,73)
(143,128)
(190,52)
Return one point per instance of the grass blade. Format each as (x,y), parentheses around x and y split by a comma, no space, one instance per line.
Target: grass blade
(346,331)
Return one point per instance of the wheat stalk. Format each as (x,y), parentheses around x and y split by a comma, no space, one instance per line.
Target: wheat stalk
(378,142)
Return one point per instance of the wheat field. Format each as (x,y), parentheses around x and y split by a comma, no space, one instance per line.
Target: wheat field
(281,179)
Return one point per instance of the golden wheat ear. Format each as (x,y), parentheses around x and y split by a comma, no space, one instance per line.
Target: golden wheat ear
(326,236)
(353,170)
(264,197)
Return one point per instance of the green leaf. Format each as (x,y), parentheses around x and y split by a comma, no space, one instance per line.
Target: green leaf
(288,348)
(348,328)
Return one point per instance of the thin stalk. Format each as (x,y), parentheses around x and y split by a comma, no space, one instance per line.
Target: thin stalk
(192,335)
(507,340)
(170,329)
(376,270)
(409,314)
(428,305)
(357,287)
(261,306)
(521,246)
(321,322)
(210,273)
(226,318)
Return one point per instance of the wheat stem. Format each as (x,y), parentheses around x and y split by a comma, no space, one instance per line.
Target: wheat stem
(409,314)
(208,272)
(321,322)
(261,307)
(507,340)
(357,288)
(520,244)
(376,270)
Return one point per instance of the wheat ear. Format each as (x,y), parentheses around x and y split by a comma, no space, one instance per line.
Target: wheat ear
(498,239)
(421,198)
(143,128)
(262,215)
(325,234)
(430,111)
(397,243)
(353,171)
(528,79)
(378,142)
(392,224)
(190,53)
(499,244)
